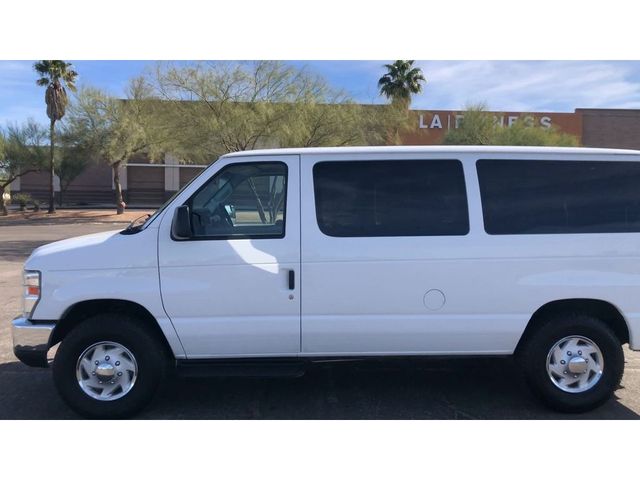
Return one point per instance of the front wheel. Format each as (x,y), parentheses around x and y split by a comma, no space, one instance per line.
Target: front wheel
(573,363)
(109,366)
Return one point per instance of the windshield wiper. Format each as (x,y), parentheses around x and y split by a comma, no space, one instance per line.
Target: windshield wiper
(134,226)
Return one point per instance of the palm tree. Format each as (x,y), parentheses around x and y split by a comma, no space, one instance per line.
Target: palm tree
(55,75)
(401,81)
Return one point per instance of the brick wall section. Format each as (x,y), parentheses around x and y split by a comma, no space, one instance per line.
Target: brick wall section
(429,127)
(610,128)
(94,185)
(145,185)
(187,174)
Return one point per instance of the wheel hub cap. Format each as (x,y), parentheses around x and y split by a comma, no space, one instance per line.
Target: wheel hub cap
(106,371)
(578,365)
(575,364)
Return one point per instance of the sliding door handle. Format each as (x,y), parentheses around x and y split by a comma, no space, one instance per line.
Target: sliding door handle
(292,280)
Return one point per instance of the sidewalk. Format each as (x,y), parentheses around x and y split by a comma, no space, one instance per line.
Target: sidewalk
(65,216)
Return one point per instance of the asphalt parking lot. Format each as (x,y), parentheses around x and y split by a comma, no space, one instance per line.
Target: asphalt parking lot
(435,389)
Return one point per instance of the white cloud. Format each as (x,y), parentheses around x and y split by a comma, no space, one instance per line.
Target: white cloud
(16,74)
(530,85)
(14,66)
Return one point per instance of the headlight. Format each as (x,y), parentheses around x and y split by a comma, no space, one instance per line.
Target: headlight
(31,294)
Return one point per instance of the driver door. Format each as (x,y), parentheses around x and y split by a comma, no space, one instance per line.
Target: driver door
(232,289)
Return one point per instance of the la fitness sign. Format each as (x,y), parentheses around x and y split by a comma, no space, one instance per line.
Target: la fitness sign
(449,120)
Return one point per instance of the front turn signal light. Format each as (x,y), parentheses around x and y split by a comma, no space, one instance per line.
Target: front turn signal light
(31,283)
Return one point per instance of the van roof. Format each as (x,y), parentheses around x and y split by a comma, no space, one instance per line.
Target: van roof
(434,149)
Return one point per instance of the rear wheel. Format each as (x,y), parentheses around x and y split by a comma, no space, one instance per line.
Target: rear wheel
(109,366)
(573,363)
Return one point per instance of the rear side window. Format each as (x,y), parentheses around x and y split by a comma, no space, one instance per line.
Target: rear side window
(543,196)
(391,198)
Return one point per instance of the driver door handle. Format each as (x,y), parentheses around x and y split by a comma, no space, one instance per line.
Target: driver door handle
(292,280)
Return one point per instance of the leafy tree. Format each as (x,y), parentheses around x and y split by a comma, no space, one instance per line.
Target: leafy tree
(22,150)
(401,81)
(338,122)
(73,161)
(217,108)
(55,75)
(113,130)
(478,127)
(523,134)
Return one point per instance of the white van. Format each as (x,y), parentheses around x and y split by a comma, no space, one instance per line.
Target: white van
(272,259)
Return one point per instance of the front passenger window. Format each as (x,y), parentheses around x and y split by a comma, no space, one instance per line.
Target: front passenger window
(244,200)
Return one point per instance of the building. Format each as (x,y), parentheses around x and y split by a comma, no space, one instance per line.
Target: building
(148,185)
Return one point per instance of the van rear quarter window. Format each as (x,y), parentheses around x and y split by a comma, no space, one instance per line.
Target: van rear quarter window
(554,197)
(390,198)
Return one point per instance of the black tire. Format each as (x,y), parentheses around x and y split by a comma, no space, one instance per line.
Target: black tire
(533,359)
(142,342)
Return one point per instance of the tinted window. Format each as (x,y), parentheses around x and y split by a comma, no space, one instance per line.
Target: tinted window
(391,198)
(528,196)
(245,200)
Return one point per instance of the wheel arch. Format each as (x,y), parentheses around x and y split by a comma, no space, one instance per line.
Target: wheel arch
(601,309)
(83,310)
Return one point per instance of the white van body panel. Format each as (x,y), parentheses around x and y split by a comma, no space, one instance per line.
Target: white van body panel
(367,295)
(230,298)
(102,266)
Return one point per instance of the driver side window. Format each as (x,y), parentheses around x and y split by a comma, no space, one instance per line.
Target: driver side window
(244,200)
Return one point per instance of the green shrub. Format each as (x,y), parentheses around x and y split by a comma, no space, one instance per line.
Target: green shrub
(21,199)
(478,127)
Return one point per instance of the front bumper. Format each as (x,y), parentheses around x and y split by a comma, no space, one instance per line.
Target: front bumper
(31,341)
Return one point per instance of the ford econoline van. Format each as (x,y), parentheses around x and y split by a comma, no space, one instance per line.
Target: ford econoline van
(273,259)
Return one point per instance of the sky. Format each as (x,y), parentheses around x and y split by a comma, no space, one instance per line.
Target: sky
(556,86)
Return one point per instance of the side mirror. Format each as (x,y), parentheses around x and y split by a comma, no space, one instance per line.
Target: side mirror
(181,224)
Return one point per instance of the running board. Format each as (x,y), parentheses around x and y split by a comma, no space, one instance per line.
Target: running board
(293,367)
(241,368)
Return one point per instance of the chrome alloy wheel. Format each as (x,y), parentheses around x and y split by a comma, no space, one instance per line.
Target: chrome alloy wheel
(575,364)
(106,371)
